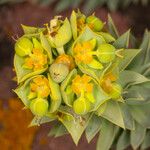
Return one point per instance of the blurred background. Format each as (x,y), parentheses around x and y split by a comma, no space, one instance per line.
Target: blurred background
(14,134)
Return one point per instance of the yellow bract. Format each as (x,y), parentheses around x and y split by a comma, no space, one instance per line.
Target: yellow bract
(36,61)
(82,84)
(80,24)
(40,86)
(82,52)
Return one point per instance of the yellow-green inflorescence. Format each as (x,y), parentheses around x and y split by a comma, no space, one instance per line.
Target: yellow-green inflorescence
(67,64)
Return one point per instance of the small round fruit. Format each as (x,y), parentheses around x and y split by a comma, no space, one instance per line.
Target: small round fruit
(94,23)
(116,91)
(66,60)
(39,106)
(81,106)
(106,53)
(23,46)
(58,72)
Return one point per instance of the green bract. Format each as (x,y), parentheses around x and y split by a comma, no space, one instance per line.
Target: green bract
(87,79)
(23,46)
(106,53)
(39,106)
(81,106)
(95,23)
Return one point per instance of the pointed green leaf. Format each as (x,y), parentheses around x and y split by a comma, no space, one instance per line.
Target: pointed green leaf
(140,113)
(137,136)
(113,113)
(138,93)
(128,56)
(123,40)
(77,126)
(145,46)
(93,127)
(128,78)
(101,109)
(123,141)
(127,117)
(107,135)
(142,60)
(146,143)
(22,91)
(31,30)
(111,27)
(57,130)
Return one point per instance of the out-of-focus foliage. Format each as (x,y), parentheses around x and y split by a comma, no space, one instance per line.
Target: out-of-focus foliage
(11,1)
(88,5)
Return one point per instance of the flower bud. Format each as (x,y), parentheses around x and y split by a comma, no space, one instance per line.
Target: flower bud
(106,53)
(39,106)
(81,106)
(94,23)
(116,91)
(23,47)
(58,72)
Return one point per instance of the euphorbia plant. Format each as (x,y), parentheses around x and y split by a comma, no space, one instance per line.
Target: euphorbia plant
(86,77)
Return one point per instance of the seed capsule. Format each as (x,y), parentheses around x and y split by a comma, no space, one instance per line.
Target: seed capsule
(39,106)
(66,60)
(106,53)
(23,46)
(116,91)
(94,23)
(81,106)
(58,72)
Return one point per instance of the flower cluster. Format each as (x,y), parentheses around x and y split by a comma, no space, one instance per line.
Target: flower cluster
(54,52)
(71,69)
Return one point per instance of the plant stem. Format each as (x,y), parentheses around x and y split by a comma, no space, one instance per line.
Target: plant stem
(60,50)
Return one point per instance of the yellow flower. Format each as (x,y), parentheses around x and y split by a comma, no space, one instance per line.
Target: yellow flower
(40,86)
(80,24)
(106,83)
(36,61)
(82,84)
(83,52)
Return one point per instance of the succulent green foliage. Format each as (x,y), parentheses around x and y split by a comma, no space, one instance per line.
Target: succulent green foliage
(107,135)
(91,80)
(93,127)
(113,113)
(124,140)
